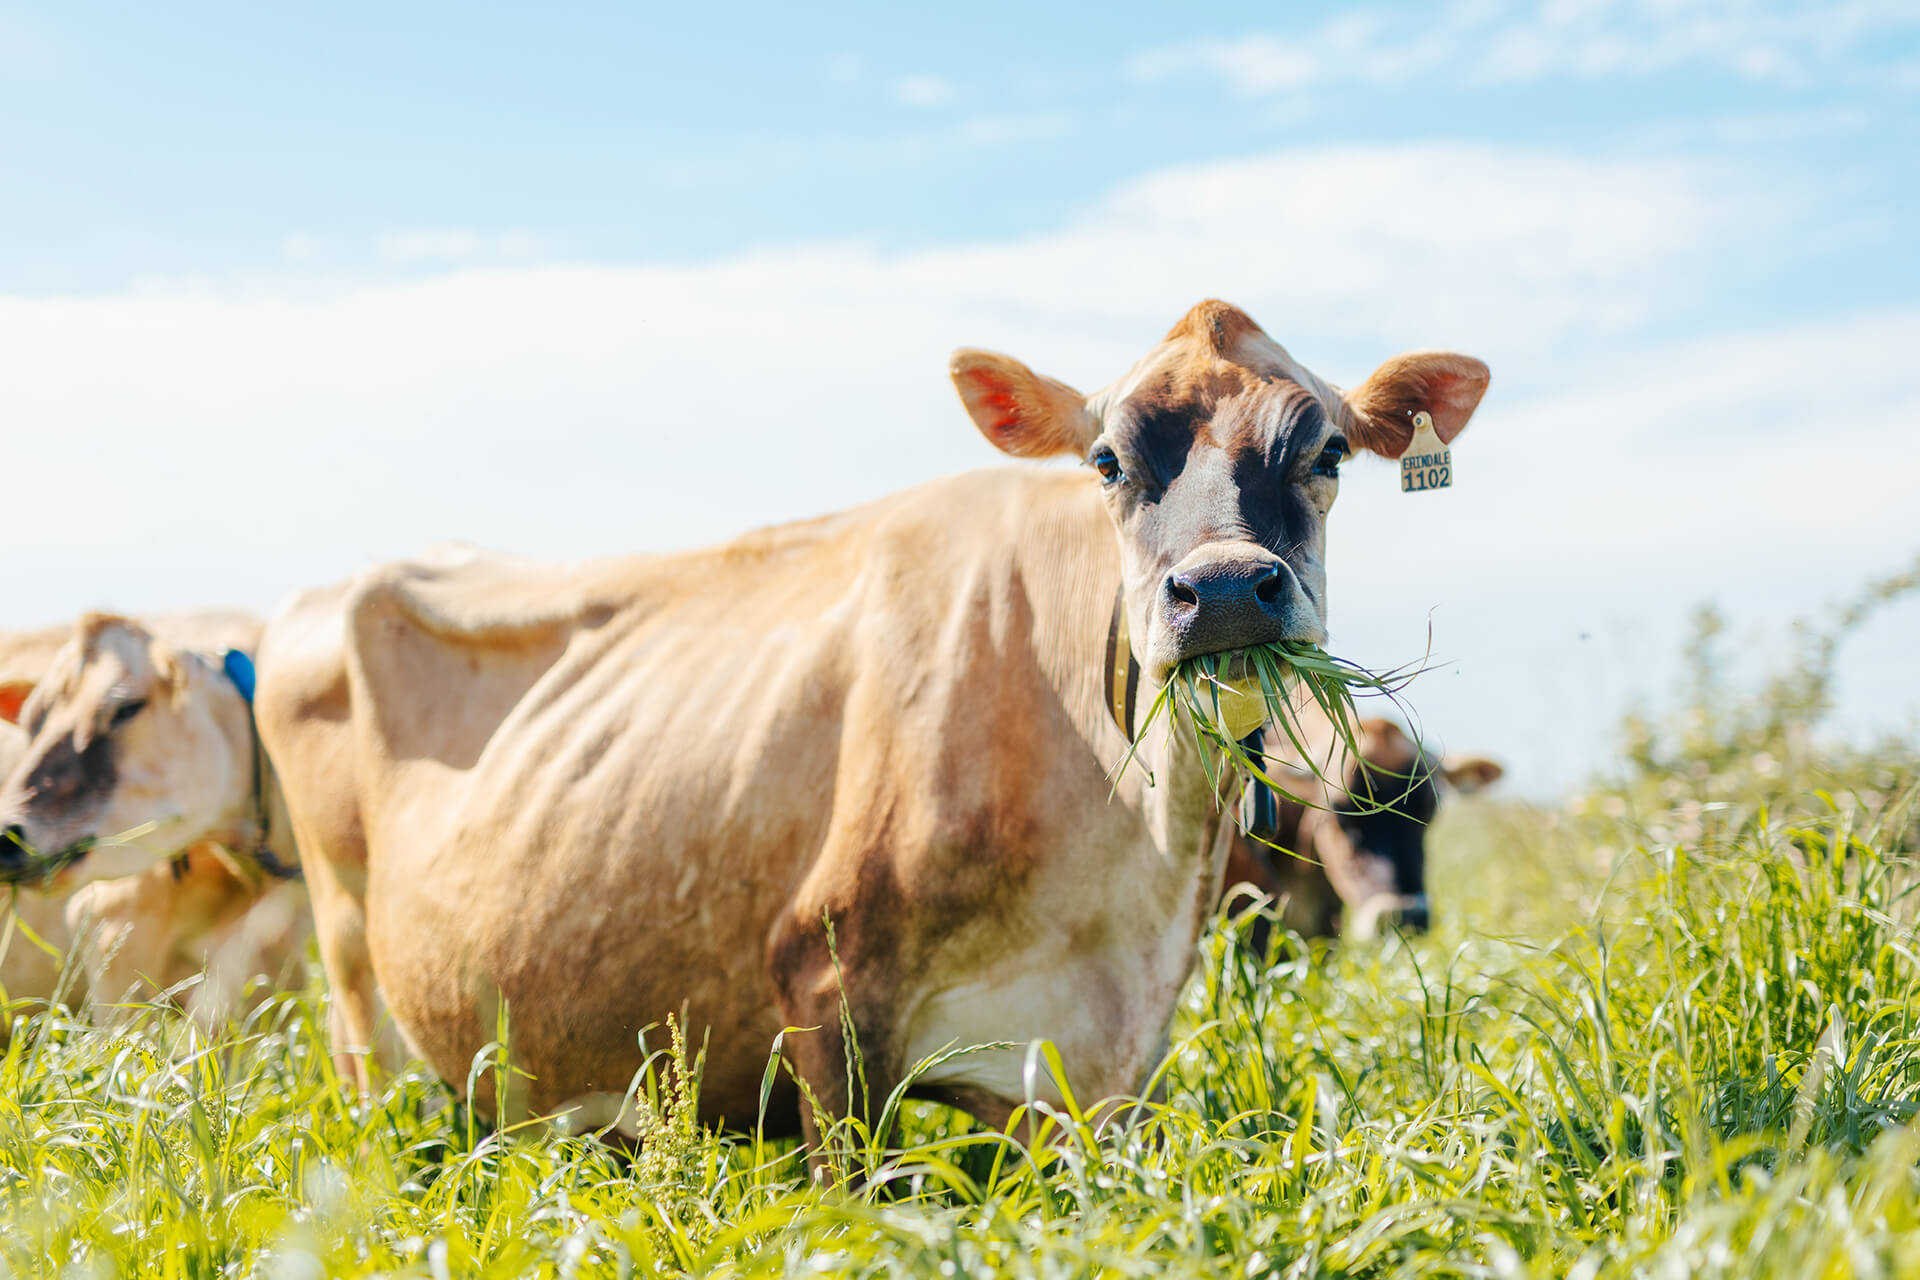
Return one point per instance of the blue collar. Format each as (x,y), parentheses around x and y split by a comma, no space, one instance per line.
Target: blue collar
(239,669)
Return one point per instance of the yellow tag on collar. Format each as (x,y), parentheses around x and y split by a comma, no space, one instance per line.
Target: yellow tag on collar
(1427,464)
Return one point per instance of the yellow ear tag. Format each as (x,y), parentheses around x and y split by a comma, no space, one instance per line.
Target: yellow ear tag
(1427,464)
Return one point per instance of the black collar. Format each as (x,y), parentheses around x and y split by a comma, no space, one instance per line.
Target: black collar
(239,669)
(1123,672)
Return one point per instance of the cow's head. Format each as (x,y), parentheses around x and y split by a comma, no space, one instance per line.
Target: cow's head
(1220,456)
(1372,839)
(134,750)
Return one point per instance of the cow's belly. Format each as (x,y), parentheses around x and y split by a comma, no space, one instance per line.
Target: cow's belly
(576,985)
(587,937)
(607,862)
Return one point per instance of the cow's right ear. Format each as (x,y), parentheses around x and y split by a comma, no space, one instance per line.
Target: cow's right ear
(1019,411)
(1468,774)
(13,696)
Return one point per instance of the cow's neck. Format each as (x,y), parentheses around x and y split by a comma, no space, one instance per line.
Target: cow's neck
(1184,808)
(257,827)
(1077,568)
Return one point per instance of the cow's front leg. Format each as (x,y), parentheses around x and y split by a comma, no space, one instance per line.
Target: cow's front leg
(340,928)
(844,1059)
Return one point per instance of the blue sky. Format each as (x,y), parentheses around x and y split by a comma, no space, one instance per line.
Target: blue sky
(178,140)
(288,291)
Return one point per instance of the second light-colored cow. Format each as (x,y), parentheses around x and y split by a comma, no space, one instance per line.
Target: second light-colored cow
(203,909)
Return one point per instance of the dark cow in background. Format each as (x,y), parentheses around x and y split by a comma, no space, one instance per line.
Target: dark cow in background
(1360,844)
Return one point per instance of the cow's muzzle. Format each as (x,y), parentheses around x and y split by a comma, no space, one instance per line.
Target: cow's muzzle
(1231,596)
(1390,913)
(21,865)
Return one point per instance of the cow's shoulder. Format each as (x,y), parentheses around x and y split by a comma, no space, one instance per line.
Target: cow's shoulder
(302,649)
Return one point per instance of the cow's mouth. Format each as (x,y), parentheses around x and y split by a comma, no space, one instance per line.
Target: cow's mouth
(1228,683)
(21,864)
(1236,668)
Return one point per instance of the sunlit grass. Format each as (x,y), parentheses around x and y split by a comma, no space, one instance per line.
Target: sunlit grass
(1630,1091)
(1671,1028)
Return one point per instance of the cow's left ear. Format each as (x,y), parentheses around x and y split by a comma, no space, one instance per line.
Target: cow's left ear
(1379,412)
(1021,412)
(13,696)
(1467,774)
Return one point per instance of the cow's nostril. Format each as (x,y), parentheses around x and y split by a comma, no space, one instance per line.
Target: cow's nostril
(1182,592)
(13,843)
(1268,589)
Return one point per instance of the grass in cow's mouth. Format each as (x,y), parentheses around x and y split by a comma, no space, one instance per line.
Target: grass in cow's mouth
(41,867)
(1203,688)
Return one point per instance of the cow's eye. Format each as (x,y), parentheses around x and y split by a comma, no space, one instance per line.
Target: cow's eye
(1328,463)
(127,711)
(1107,465)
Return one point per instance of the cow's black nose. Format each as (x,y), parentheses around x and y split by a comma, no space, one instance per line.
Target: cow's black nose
(1211,588)
(1414,918)
(1228,602)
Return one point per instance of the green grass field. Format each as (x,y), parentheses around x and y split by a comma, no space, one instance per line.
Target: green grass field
(1671,1028)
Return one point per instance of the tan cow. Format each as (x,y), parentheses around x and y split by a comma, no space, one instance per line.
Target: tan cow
(864,757)
(1359,840)
(202,910)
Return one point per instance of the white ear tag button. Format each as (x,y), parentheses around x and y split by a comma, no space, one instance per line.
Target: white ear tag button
(1427,464)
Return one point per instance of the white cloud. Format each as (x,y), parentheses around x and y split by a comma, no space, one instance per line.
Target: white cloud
(455,244)
(1499,245)
(184,446)
(1488,44)
(922,91)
